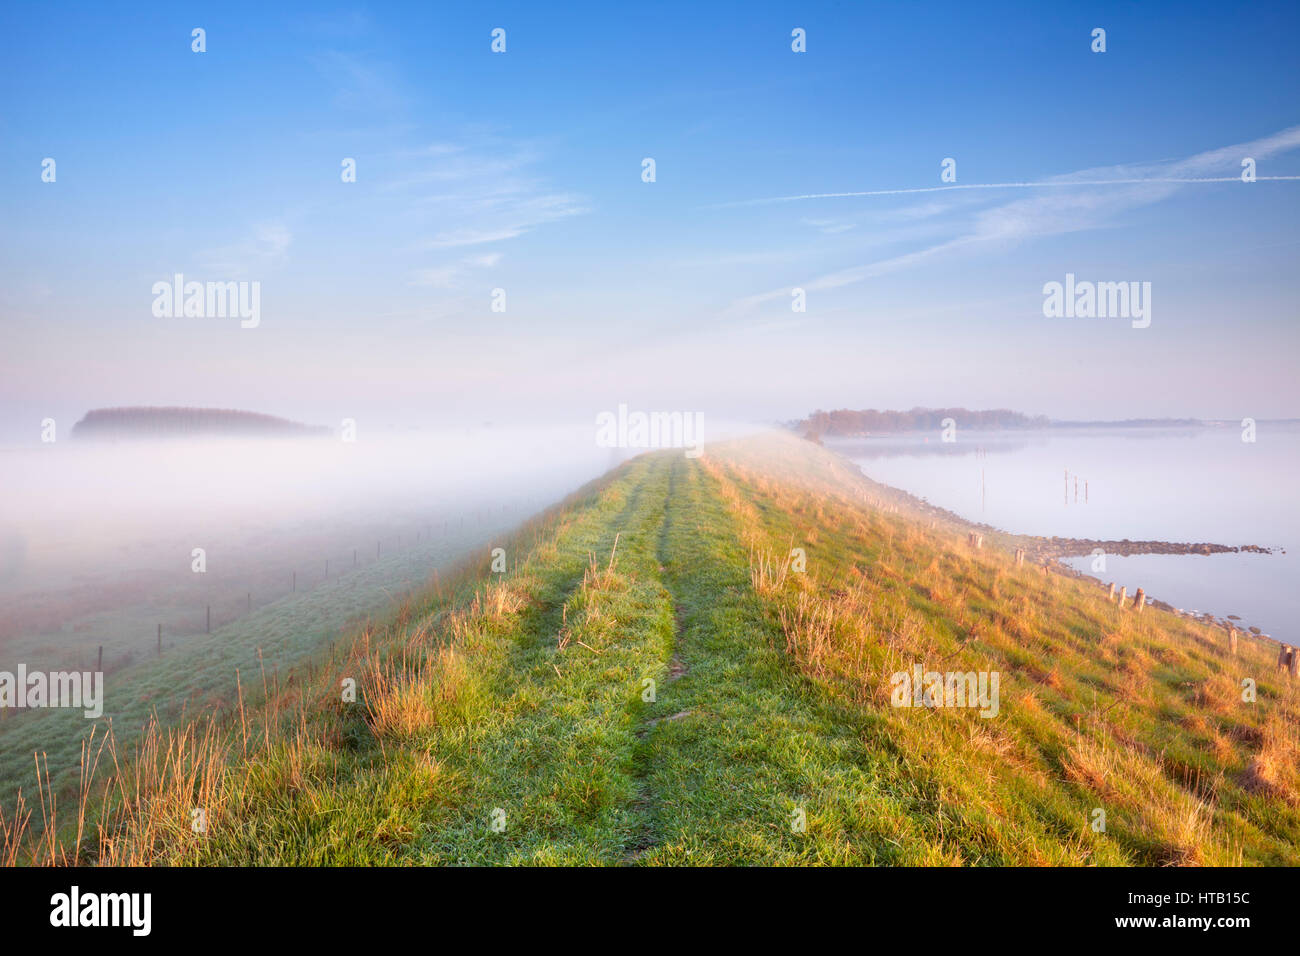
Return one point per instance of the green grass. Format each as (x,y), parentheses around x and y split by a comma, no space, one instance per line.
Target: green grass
(526,693)
(196,673)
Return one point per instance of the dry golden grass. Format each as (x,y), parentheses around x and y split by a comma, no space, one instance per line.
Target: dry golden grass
(1167,733)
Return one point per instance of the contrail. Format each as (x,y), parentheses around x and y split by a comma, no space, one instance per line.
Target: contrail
(1029,185)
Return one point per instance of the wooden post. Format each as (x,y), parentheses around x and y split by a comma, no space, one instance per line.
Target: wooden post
(293,585)
(1020,556)
(1232,641)
(160,640)
(1284,657)
(100,665)
(208,627)
(1110,593)
(1123,595)
(1139,600)
(1294,669)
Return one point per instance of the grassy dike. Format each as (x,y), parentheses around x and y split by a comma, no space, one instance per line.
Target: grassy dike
(509,718)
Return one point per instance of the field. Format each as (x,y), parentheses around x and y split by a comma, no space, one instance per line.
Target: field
(266,617)
(658,677)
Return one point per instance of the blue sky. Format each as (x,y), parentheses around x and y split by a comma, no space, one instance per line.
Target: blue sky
(522,171)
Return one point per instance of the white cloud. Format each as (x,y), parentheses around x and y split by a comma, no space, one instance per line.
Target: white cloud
(449,276)
(1087,199)
(264,248)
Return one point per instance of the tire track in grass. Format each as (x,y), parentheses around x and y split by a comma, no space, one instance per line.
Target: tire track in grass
(753,751)
(542,739)
(645,807)
(555,749)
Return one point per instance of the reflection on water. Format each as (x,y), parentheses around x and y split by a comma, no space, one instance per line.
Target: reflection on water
(1178,484)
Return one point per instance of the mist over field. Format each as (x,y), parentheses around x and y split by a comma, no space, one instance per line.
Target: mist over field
(81,507)
(688,435)
(90,529)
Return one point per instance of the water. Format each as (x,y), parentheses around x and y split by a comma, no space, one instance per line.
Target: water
(1186,484)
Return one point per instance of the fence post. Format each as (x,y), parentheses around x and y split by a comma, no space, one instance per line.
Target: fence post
(1123,596)
(1139,600)
(293,586)
(1232,641)
(1110,593)
(208,625)
(100,665)
(1284,657)
(160,640)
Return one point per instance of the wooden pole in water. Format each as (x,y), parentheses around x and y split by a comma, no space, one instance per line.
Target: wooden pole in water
(1139,600)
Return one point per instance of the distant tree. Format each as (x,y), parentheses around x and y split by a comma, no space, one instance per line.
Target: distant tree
(848,423)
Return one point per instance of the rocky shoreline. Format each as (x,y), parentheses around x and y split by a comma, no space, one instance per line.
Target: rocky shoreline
(1079,547)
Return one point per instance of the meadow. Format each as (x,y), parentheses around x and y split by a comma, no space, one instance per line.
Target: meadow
(689,662)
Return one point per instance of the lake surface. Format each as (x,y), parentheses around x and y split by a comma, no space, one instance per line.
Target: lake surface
(1194,484)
